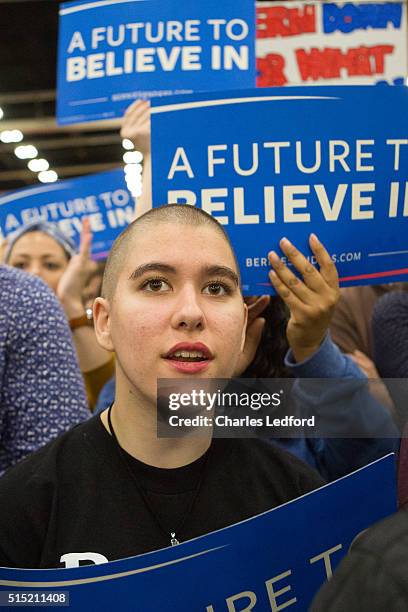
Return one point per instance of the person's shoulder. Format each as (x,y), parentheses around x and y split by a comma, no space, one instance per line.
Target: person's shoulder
(59,458)
(263,456)
(24,294)
(21,280)
(289,461)
(262,449)
(387,540)
(381,551)
(11,275)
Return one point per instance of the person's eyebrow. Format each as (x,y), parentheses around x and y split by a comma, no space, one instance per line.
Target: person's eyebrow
(154,266)
(222,271)
(157,266)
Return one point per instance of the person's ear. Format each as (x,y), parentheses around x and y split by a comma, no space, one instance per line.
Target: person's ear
(101,315)
(244,328)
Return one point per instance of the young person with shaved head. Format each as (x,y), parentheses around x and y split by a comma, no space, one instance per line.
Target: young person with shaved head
(171,307)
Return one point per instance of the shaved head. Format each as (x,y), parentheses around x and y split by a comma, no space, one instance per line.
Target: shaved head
(182,214)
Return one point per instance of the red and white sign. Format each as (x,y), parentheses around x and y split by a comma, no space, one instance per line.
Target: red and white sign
(334,43)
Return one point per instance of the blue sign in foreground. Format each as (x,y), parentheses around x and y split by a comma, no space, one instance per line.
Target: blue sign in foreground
(113,52)
(281,556)
(103,198)
(278,162)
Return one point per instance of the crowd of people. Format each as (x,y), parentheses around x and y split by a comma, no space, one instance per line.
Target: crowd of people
(80,357)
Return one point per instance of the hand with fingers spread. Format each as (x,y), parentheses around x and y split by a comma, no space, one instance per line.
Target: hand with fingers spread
(254,329)
(136,125)
(72,283)
(311,300)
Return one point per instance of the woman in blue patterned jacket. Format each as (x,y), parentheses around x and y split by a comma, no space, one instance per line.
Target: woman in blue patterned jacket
(41,389)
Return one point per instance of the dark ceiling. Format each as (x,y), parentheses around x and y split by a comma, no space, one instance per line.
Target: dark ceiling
(28,53)
(28,43)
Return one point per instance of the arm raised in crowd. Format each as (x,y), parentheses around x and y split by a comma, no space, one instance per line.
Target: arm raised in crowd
(136,127)
(345,404)
(70,289)
(311,302)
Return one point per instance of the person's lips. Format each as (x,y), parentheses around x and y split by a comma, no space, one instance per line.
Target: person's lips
(189,357)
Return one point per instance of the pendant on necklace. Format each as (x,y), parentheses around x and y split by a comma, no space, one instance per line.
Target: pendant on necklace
(174,541)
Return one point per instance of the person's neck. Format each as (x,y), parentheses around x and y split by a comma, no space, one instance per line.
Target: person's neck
(135,425)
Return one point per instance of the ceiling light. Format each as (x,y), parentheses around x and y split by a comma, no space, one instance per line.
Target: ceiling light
(48,176)
(38,165)
(26,152)
(133,169)
(11,136)
(132,157)
(127,144)
(133,177)
(133,188)
(134,180)
(136,192)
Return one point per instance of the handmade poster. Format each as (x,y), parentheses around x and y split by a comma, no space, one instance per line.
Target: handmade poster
(331,43)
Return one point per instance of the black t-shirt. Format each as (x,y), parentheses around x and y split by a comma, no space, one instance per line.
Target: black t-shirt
(76,494)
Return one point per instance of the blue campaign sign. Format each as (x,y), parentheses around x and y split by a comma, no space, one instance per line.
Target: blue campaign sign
(279,557)
(278,162)
(112,52)
(103,198)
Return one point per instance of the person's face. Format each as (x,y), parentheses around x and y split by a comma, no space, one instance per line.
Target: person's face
(39,254)
(177,311)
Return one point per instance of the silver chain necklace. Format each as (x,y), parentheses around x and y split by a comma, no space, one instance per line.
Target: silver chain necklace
(174,540)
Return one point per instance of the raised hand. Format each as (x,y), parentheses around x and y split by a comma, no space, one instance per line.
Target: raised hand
(311,301)
(136,125)
(73,281)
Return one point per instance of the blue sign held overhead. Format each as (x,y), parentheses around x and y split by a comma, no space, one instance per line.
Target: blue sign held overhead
(270,163)
(103,198)
(280,557)
(115,51)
